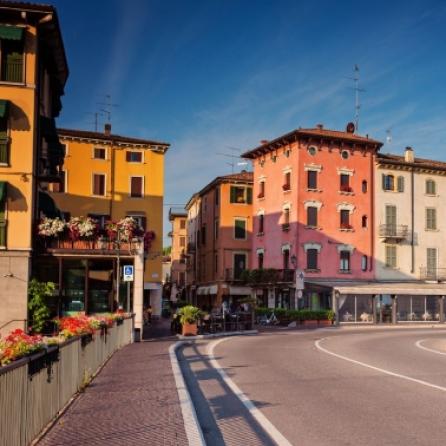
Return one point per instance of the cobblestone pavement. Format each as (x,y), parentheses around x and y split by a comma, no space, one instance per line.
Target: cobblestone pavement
(133,401)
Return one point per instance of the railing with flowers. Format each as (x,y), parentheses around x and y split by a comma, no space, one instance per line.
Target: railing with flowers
(85,233)
(39,375)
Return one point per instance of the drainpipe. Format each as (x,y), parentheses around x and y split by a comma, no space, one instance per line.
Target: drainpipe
(412,204)
(372,210)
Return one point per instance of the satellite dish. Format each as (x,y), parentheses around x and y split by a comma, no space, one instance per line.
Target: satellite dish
(350,128)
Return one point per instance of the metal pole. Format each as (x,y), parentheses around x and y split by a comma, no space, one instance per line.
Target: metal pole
(118,242)
(128,297)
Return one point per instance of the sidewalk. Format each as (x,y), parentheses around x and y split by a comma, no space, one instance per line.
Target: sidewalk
(133,400)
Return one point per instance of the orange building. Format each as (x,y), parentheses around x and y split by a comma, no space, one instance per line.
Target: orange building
(178,260)
(222,236)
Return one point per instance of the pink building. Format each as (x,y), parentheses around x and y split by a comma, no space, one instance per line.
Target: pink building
(313,211)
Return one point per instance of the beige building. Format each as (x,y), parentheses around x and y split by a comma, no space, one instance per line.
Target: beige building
(33,73)
(178,234)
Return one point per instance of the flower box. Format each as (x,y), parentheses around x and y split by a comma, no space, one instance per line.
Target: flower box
(86,339)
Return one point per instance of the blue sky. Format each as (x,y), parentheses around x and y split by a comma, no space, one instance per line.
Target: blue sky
(209,75)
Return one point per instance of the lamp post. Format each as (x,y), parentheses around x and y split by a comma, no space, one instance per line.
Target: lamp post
(118,264)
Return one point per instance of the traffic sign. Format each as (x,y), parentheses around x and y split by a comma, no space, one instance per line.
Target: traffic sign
(128,273)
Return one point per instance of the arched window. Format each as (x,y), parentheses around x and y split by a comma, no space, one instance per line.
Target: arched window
(431,187)
(364,221)
(400,184)
(364,186)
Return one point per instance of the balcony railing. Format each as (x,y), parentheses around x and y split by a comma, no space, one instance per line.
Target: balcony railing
(2,234)
(232,274)
(259,276)
(12,69)
(437,274)
(393,231)
(102,245)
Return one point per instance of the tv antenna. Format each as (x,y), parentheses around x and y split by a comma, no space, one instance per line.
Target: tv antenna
(96,118)
(107,107)
(357,90)
(234,157)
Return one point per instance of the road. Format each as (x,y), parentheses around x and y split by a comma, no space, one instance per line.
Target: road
(325,387)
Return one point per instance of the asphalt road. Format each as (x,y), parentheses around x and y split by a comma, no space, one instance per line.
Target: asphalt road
(361,387)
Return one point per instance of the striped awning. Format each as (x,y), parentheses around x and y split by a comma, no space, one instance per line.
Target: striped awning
(11,32)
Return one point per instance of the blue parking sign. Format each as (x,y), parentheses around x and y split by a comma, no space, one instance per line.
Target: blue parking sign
(128,273)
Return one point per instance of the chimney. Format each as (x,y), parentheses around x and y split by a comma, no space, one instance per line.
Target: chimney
(264,141)
(409,155)
(107,129)
(319,126)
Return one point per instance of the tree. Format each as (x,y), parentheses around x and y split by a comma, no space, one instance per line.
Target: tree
(39,312)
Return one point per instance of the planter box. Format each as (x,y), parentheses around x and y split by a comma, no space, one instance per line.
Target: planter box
(310,323)
(189,329)
(325,323)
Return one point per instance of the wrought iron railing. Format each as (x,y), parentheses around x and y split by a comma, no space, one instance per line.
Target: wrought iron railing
(437,274)
(393,231)
(12,69)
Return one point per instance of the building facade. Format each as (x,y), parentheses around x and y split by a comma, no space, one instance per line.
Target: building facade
(178,219)
(33,73)
(221,215)
(109,177)
(313,212)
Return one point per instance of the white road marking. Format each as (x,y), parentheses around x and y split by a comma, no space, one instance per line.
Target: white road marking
(267,426)
(191,425)
(378,369)
(419,345)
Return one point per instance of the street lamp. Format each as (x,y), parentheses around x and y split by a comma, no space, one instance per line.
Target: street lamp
(294,260)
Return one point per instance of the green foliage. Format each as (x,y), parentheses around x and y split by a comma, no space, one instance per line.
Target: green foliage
(297,315)
(38,309)
(189,314)
(257,276)
(167,250)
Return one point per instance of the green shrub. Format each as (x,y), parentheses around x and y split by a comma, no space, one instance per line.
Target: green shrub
(39,312)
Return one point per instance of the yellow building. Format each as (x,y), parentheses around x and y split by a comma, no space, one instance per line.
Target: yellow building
(33,72)
(109,177)
(178,218)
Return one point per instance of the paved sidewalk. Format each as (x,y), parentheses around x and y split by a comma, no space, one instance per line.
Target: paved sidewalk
(133,401)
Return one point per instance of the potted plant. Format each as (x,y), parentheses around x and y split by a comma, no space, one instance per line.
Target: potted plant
(189,317)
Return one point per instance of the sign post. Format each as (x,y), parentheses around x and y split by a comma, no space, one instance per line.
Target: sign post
(128,273)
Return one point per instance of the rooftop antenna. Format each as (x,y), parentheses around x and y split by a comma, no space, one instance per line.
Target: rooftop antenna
(96,118)
(234,157)
(107,107)
(357,90)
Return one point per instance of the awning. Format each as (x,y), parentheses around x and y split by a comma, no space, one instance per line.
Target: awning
(48,206)
(414,288)
(3,190)
(152,286)
(11,32)
(239,290)
(4,106)
(204,290)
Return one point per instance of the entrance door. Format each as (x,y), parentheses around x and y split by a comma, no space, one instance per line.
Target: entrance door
(391,220)
(384,306)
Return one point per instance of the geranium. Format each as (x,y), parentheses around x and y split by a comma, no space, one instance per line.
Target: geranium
(51,227)
(70,326)
(82,227)
(128,229)
(18,344)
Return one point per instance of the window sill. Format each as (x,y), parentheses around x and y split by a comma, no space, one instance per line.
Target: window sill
(260,234)
(317,270)
(311,227)
(130,196)
(17,84)
(99,196)
(286,191)
(431,230)
(343,192)
(346,229)
(394,268)
(99,159)
(431,195)
(314,190)
(344,271)
(4,165)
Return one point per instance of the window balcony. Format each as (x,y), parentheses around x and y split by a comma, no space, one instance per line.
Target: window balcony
(393,232)
(286,187)
(346,188)
(435,274)
(346,227)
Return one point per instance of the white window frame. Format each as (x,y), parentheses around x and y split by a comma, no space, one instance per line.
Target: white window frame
(142,187)
(102,148)
(92,184)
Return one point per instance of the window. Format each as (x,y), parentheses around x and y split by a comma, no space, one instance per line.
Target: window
(364,263)
(391,219)
(364,221)
(99,184)
(431,218)
(312,259)
(133,157)
(11,52)
(312,216)
(239,265)
(140,220)
(364,186)
(241,195)
(239,229)
(345,219)
(99,153)
(61,187)
(4,141)
(344,258)
(431,187)
(102,219)
(312,179)
(391,256)
(261,223)
(260,260)
(286,219)
(287,181)
(388,182)
(312,150)
(136,187)
(182,223)
(203,235)
(345,183)
(261,190)
(3,222)
(400,184)
(345,154)
(286,258)
(182,242)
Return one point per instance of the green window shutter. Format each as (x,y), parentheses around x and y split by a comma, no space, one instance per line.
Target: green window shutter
(233,198)
(400,184)
(249,195)
(383,176)
(240,229)
(3,221)
(11,32)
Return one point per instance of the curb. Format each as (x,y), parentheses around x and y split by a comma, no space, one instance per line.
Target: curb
(191,425)
(217,335)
